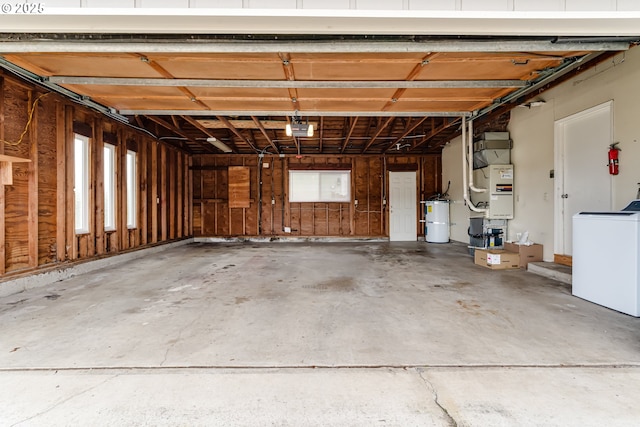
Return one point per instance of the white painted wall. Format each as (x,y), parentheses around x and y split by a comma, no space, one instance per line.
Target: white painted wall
(533,151)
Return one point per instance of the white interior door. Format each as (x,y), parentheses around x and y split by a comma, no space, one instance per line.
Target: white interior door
(583,182)
(402,207)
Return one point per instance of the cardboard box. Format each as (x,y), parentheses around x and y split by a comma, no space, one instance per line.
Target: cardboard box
(527,254)
(497,259)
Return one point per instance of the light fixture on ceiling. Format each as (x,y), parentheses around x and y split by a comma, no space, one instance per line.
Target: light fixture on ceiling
(219,145)
(297,128)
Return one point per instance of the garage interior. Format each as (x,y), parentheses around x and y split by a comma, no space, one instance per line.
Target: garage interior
(255,309)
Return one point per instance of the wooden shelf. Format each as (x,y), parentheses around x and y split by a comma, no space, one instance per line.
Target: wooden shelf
(6,168)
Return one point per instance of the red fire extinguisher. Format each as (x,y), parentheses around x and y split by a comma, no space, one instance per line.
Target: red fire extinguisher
(613,158)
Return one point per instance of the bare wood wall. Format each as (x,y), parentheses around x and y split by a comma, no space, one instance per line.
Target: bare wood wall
(270,211)
(37,211)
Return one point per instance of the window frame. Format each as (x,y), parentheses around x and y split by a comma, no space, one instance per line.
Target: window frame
(81,177)
(132,189)
(294,193)
(109,187)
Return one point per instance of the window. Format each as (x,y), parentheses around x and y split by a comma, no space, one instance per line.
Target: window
(81,183)
(109,164)
(132,190)
(320,186)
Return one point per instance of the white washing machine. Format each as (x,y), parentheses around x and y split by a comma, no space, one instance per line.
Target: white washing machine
(606,269)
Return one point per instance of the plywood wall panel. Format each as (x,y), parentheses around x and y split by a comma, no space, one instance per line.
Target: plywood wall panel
(16,107)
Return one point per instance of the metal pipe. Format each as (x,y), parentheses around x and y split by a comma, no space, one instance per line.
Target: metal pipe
(465,191)
(470,160)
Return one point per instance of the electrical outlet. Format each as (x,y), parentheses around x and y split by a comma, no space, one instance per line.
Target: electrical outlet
(356,202)
(287,229)
(273,202)
(265,165)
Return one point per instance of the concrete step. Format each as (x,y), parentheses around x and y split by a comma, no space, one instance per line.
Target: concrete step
(559,272)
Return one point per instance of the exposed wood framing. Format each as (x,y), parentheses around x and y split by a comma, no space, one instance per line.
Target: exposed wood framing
(162,164)
(354,121)
(407,131)
(214,217)
(101,236)
(377,133)
(3,251)
(37,224)
(237,133)
(72,247)
(32,217)
(264,132)
(154,204)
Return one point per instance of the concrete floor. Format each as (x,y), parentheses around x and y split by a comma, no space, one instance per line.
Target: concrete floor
(326,334)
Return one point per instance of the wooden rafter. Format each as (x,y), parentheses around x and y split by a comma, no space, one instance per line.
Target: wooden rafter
(264,132)
(410,128)
(289,73)
(320,134)
(237,132)
(354,120)
(172,128)
(411,76)
(164,73)
(378,132)
(204,130)
(447,123)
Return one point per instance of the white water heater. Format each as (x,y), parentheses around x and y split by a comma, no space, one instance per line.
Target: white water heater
(437,221)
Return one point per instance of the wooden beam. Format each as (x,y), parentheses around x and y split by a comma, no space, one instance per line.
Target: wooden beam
(264,132)
(186,201)
(164,73)
(321,134)
(162,165)
(410,128)
(447,123)
(172,128)
(411,76)
(179,194)
(154,205)
(171,178)
(237,133)
(378,132)
(32,215)
(354,120)
(123,232)
(98,162)
(93,160)
(195,123)
(143,160)
(69,208)
(290,74)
